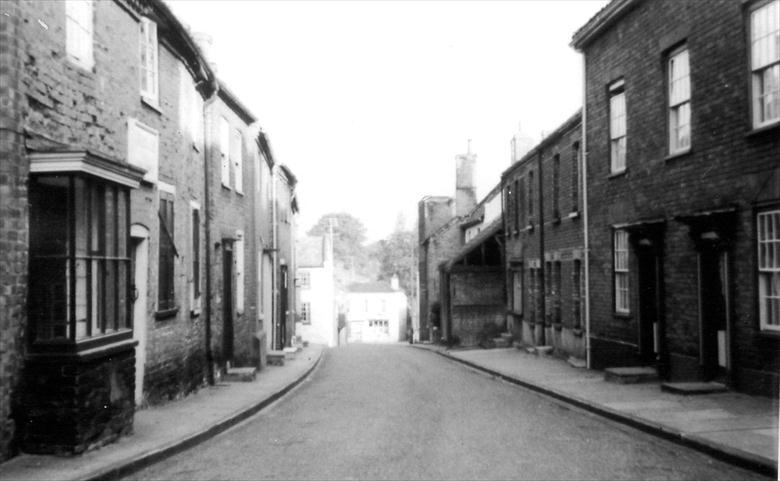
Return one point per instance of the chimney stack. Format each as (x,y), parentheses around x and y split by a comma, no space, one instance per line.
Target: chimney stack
(465,188)
(206,44)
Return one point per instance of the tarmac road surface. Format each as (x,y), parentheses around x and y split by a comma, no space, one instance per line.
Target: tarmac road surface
(395,412)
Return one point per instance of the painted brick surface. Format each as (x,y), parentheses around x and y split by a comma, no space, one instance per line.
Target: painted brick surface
(729,166)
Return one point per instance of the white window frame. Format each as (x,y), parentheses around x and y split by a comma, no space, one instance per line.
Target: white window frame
(149,61)
(766,44)
(621,272)
(679,100)
(768,245)
(238,248)
(224,151)
(237,159)
(306,312)
(79,32)
(618,137)
(143,148)
(305,279)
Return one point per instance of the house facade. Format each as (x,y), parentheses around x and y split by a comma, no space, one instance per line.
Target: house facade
(117,222)
(544,243)
(376,312)
(316,286)
(101,146)
(284,210)
(472,285)
(682,115)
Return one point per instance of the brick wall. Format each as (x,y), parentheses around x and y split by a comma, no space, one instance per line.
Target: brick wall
(728,167)
(548,234)
(13,224)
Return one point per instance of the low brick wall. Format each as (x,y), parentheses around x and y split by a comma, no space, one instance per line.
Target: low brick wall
(70,405)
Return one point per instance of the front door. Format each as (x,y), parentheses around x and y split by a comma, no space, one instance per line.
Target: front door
(227,301)
(648,304)
(281,322)
(713,320)
(140,238)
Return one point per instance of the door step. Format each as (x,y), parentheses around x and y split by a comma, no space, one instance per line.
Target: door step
(275,358)
(540,350)
(630,375)
(289,352)
(240,374)
(502,342)
(692,388)
(576,362)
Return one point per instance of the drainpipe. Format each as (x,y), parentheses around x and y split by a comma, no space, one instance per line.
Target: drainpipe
(584,150)
(208,157)
(542,263)
(274,259)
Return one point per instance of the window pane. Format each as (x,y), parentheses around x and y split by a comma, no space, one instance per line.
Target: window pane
(81,299)
(765,35)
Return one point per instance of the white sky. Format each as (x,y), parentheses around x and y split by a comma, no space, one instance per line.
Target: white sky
(369,102)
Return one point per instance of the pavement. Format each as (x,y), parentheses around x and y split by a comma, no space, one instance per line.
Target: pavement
(161,431)
(734,427)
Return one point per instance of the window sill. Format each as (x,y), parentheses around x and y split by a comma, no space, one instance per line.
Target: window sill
(83,351)
(529,228)
(769,334)
(514,313)
(678,155)
(226,186)
(622,315)
(166,313)
(556,220)
(575,214)
(239,192)
(194,313)
(760,131)
(151,103)
(577,332)
(615,175)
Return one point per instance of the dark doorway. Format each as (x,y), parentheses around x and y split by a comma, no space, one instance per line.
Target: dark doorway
(649,288)
(227,301)
(281,323)
(713,301)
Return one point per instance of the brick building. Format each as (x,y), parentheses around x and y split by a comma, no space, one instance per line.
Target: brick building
(440,237)
(473,287)
(682,116)
(95,135)
(234,186)
(284,210)
(316,290)
(544,243)
(115,223)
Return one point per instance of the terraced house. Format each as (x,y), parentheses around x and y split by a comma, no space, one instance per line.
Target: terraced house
(113,264)
(682,125)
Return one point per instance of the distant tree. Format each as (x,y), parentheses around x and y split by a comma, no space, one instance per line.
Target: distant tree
(397,255)
(349,234)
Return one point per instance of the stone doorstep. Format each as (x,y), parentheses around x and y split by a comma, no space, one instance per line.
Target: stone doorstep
(240,374)
(544,350)
(577,362)
(501,342)
(275,358)
(630,375)
(290,352)
(507,335)
(693,388)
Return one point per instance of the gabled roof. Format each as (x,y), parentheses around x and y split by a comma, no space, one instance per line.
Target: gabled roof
(494,228)
(605,18)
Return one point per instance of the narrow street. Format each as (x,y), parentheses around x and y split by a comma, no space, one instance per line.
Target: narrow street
(395,412)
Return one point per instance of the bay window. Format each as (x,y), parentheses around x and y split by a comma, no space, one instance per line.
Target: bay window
(80,272)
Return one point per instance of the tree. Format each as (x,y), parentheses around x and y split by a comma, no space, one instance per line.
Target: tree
(397,255)
(349,234)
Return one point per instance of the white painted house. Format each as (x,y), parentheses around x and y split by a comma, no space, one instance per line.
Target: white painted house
(376,312)
(317,321)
